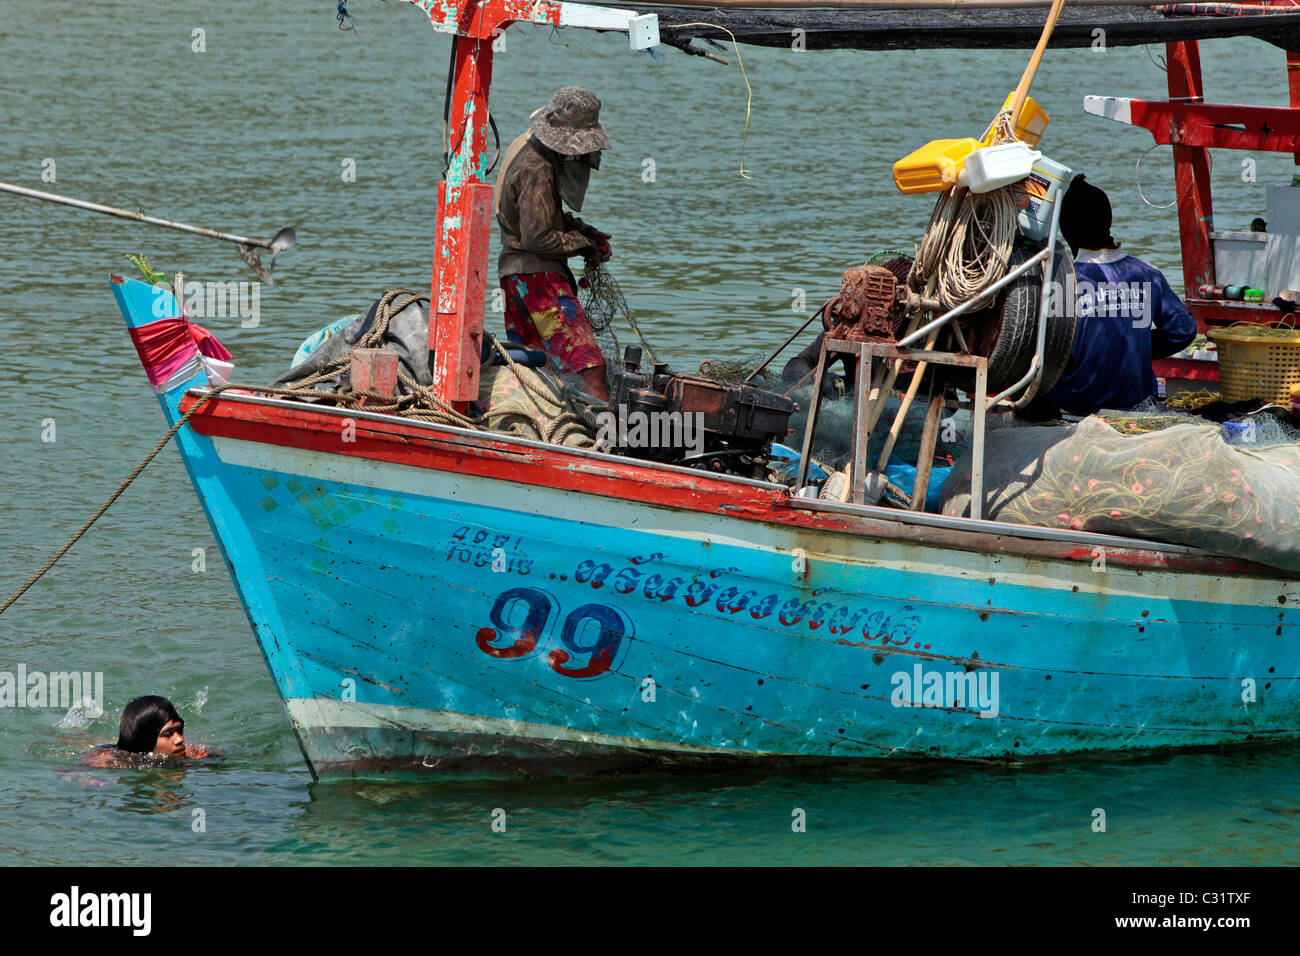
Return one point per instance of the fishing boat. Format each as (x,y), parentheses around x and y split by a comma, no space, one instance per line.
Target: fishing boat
(439,600)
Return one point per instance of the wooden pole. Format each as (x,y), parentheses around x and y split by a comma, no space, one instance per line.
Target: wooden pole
(896,429)
(1027,78)
(929,439)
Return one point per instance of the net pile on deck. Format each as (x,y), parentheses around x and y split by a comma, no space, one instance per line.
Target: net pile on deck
(513,399)
(1183,485)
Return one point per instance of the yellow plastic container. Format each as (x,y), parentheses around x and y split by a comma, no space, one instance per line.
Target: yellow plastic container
(1263,367)
(934,167)
(1030,125)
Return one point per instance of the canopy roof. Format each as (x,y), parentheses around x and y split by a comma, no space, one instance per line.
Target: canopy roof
(981,28)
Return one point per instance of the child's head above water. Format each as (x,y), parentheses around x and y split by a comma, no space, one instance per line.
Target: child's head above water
(151,725)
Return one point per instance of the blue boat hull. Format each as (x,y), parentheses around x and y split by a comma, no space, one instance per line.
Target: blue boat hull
(424,618)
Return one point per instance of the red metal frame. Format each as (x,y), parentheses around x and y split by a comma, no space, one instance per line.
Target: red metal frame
(1193,127)
(464,216)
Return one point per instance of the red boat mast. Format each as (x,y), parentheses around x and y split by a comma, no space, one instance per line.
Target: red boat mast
(464,216)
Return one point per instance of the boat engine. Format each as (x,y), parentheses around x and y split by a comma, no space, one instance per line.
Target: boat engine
(688,420)
(870,306)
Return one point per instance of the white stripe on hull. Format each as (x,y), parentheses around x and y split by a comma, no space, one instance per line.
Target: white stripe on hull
(325,714)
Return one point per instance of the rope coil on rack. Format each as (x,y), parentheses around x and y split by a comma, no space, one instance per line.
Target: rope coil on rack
(967,244)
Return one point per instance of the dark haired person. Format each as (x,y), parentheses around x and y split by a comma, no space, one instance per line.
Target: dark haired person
(1127,315)
(149,725)
(545,169)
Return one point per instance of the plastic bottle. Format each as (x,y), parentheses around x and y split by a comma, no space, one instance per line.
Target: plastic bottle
(993,167)
(1037,193)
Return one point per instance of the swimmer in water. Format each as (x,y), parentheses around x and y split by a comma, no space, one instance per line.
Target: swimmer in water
(150,725)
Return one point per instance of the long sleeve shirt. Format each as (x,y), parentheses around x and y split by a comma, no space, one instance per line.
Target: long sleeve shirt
(1127,315)
(537,234)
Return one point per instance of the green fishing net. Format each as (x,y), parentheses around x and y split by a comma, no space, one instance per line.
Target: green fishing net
(1183,485)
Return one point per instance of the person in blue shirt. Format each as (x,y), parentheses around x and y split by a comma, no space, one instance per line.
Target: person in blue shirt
(1127,314)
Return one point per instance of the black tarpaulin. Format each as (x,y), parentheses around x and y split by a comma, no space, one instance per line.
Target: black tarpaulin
(827,29)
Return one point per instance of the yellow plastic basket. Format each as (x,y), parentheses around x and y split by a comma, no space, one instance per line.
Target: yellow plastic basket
(1261,364)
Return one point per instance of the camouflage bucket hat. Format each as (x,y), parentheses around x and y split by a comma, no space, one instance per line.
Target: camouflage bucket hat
(570,123)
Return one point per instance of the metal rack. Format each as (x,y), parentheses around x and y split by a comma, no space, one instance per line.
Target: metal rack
(868,486)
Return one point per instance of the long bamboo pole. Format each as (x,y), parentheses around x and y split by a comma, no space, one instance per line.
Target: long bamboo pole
(1027,78)
(137,216)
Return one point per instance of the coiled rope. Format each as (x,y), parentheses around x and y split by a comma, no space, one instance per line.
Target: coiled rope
(967,244)
(575,424)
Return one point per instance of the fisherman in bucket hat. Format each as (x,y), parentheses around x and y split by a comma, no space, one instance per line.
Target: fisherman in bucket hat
(547,166)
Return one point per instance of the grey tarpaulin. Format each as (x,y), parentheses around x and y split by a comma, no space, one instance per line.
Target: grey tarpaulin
(407,335)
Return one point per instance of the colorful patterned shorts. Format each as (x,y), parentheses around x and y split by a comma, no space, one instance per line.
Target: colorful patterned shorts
(542,309)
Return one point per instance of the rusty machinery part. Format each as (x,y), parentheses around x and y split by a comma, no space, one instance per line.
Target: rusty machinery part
(868,307)
(732,424)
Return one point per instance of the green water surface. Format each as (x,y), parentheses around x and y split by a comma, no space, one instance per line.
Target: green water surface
(252,134)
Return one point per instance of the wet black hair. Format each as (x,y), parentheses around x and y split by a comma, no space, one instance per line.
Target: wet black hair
(142,719)
(1086,216)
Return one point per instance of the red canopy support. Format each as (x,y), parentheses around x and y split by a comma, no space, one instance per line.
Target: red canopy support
(1193,127)
(1191,167)
(464,225)
(1293,82)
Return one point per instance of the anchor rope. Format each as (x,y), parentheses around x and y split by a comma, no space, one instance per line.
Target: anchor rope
(99,513)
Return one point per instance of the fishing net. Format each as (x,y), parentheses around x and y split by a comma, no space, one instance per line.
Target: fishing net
(895,260)
(604,302)
(1184,485)
(739,370)
(833,443)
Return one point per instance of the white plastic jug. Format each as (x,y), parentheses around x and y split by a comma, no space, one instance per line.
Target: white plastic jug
(993,167)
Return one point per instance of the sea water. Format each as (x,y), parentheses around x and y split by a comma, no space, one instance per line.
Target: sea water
(256,116)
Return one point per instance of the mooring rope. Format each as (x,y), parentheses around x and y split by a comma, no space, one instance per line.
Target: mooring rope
(162,443)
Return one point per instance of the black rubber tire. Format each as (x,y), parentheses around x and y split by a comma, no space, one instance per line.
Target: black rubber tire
(1016,313)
